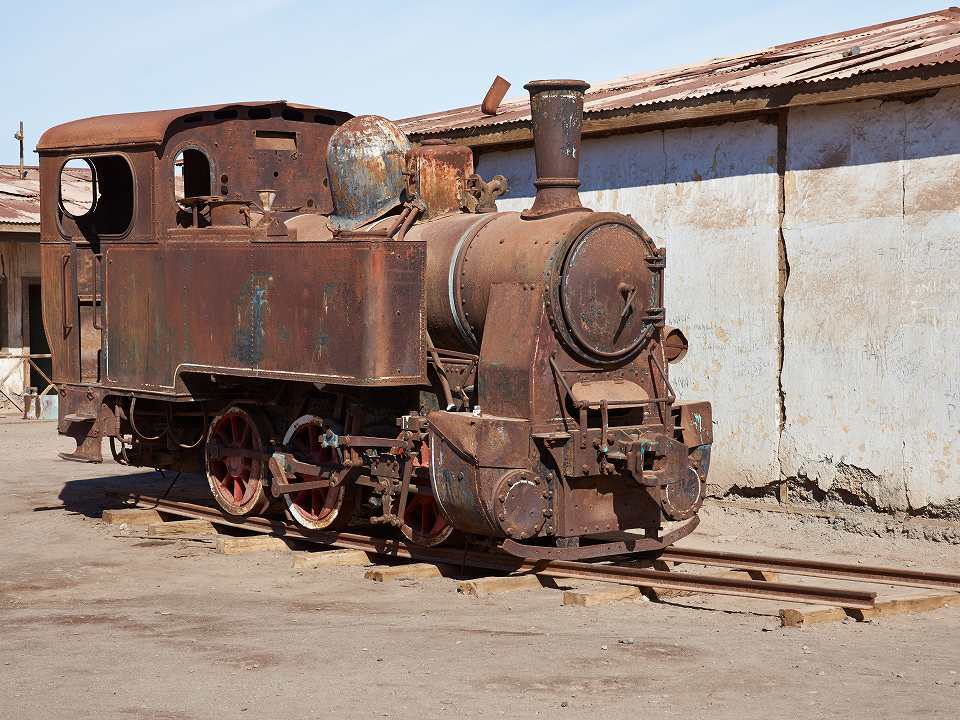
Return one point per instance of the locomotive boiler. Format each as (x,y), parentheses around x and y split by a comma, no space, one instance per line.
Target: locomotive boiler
(326,319)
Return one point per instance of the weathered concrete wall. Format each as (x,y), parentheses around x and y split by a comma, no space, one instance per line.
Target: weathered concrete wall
(872,306)
(708,194)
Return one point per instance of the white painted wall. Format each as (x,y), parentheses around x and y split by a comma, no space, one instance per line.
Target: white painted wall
(872,307)
(709,195)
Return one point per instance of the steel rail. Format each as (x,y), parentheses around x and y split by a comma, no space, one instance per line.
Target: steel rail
(815,568)
(639,577)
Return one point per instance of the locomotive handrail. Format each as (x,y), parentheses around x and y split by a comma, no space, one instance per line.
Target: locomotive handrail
(441,372)
(98,288)
(67,326)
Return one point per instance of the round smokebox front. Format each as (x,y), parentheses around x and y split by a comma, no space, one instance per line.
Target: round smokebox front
(608,284)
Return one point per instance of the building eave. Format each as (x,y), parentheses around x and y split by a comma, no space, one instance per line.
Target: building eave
(728,106)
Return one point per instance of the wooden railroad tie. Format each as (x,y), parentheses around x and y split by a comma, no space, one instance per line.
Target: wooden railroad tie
(413,571)
(227,545)
(481,587)
(330,558)
(814,614)
(602,596)
(131,516)
(177,528)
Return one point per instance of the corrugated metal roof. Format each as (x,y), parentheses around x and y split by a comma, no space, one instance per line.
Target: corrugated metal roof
(920,41)
(20,197)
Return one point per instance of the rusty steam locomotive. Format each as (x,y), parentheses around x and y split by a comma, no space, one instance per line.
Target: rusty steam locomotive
(325,318)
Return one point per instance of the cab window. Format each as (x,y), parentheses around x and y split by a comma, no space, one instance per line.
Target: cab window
(191,174)
(97,193)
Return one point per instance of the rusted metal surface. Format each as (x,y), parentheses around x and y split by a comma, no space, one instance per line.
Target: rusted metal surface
(342,320)
(366,159)
(816,568)
(438,172)
(922,41)
(294,310)
(556,109)
(493,98)
(150,128)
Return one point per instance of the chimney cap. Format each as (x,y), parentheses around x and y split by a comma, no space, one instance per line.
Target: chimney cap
(539,85)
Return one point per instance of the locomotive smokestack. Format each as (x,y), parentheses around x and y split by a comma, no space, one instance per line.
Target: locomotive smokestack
(556,109)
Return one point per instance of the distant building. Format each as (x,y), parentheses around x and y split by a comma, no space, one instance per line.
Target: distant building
(807,195)
(21,316)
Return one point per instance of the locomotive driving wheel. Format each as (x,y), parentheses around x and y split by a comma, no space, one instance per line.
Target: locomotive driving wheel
(325,508)
(236,461)
(423,523)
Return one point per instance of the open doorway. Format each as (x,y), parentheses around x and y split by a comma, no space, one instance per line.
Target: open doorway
(34,335)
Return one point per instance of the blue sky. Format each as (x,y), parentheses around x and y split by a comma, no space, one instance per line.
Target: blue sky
(66,60)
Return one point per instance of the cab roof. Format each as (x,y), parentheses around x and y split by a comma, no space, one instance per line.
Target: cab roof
(149,128)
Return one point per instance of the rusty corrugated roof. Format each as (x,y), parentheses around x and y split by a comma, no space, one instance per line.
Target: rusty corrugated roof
(920,41)
(20,197)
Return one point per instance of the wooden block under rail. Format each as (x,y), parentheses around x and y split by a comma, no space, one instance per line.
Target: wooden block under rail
(481,587)
(413,571)
(589,598)
(810,615)
(790,617)
(175,528)
(257,543)
(131,516)
(330,558)
(901,605)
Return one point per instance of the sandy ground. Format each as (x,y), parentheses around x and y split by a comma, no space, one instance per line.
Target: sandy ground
(98,623)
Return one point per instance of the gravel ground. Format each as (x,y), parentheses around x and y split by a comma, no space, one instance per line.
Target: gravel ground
(100,622)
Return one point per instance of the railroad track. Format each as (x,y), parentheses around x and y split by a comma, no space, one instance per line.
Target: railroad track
(613,572)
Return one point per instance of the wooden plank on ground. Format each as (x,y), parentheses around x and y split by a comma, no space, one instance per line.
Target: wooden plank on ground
(131,516)
(810,615)
(481,587)
(589,598)
(257,543)
(901,605)
(175,528)
(413,571)
(926,602)
(330,558)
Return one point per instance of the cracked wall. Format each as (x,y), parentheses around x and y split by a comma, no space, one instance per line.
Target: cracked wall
(710,195)
(872,308)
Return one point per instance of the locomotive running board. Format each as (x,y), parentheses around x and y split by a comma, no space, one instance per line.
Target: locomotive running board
(627,544)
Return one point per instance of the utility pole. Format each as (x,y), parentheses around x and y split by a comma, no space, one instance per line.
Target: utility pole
(19,136)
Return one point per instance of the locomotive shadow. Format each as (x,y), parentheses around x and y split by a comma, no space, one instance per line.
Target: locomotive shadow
(91,496)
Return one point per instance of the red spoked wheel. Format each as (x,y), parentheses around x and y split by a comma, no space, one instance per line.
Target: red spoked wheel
(236,461)
(325,508)
(423,523)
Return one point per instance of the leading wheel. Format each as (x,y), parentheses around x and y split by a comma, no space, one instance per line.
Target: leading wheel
(317,509)
(236,461)
(423,523)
